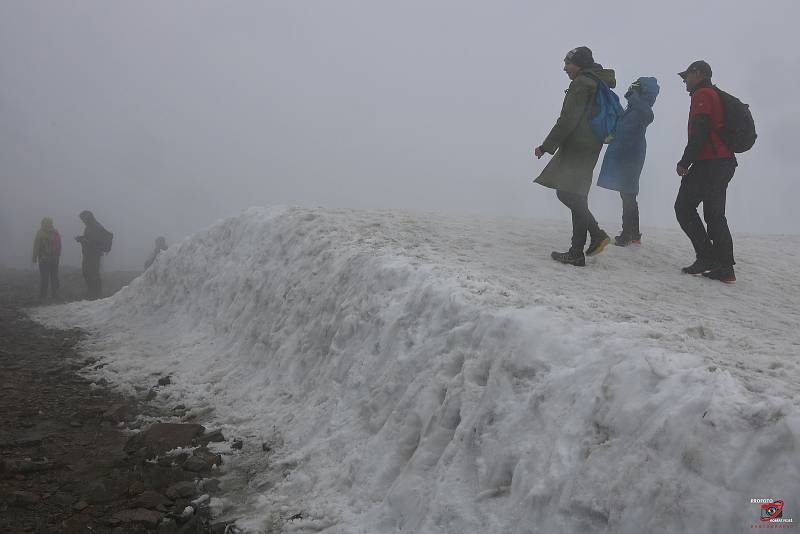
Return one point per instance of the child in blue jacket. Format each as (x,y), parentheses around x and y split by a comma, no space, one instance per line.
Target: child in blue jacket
(624,159)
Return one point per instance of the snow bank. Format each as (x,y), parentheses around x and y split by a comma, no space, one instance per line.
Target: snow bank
(419,373)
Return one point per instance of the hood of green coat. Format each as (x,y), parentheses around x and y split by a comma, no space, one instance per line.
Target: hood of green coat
(607,75)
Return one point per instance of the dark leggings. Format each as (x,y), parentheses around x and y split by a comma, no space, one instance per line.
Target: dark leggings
(630,216)
(48,271)
(582,219)
(91,273)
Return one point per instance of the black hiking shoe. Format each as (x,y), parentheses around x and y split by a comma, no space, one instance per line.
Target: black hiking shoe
(723,274)
(700,266)
(624,240)
(597,245)
(570,258)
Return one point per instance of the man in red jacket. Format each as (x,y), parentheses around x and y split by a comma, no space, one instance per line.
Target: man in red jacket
(706,168)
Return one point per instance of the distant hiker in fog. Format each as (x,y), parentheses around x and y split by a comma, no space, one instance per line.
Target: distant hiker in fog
(624,159)
(706,168)
(576,150)
(95,242)
(161,244)
(47,251)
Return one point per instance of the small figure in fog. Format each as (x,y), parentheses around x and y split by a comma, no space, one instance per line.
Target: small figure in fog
(95,242)
(47,251)
(161,244)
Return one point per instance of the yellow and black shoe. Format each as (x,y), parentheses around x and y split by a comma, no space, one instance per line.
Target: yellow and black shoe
(597,245)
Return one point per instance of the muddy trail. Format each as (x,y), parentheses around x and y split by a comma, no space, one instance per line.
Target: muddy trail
(69,460)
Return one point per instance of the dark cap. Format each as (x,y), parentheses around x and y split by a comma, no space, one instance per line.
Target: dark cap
(581,56)
(697,66)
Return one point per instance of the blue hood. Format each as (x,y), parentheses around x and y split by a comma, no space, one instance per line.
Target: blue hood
(648,92)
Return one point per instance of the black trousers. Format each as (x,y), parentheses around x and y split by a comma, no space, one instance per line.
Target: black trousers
(707,182)
(48,271)
(582,219)
(91,273)
(630,216)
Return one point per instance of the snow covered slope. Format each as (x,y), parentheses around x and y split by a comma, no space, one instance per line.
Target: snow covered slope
(422,373)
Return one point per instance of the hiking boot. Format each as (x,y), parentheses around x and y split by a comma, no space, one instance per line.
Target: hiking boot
(570,258)
(700,266)
(723,274)
(623,240)
(597,245)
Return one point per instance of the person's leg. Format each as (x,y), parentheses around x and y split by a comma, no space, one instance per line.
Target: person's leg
(714,211)
(630,217)
(690,194)
(43,279)
(580,224)
(599,238)
(96,286)
(54,285)
(86,270)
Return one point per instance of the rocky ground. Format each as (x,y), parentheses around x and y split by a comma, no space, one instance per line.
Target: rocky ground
(69,461)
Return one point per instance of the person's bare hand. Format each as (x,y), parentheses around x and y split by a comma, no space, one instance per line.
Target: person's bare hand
(538,152)
(681,170)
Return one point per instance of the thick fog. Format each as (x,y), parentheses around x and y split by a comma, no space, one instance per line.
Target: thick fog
(162,117)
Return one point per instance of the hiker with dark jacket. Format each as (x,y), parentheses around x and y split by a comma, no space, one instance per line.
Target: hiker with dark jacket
(47,251)
(93,245)
(706,168)
(161,244)
(576,151)
(624,159)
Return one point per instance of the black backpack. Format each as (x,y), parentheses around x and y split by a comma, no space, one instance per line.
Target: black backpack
(738,128)
(106,238)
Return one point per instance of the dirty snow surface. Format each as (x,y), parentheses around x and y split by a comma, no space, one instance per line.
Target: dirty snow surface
(437,374)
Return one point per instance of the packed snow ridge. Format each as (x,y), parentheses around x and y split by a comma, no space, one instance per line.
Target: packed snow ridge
(431,374)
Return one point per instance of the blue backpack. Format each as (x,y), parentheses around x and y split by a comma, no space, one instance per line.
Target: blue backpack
(606,111)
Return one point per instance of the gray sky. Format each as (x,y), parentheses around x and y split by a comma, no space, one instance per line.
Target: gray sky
(162,117)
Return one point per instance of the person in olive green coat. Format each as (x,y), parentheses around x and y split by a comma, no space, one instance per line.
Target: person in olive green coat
(576,152)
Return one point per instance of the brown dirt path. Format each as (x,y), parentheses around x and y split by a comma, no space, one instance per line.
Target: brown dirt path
(64,466)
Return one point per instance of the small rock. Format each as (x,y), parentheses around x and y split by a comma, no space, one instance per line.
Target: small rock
(164,381)
(210,437)
(202,459)
(163,437)
(140,516)
(210,485)
(136,488)
(80,505)
(237,444)
(152,500)
(181,489)
(196,464)
(179,407)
